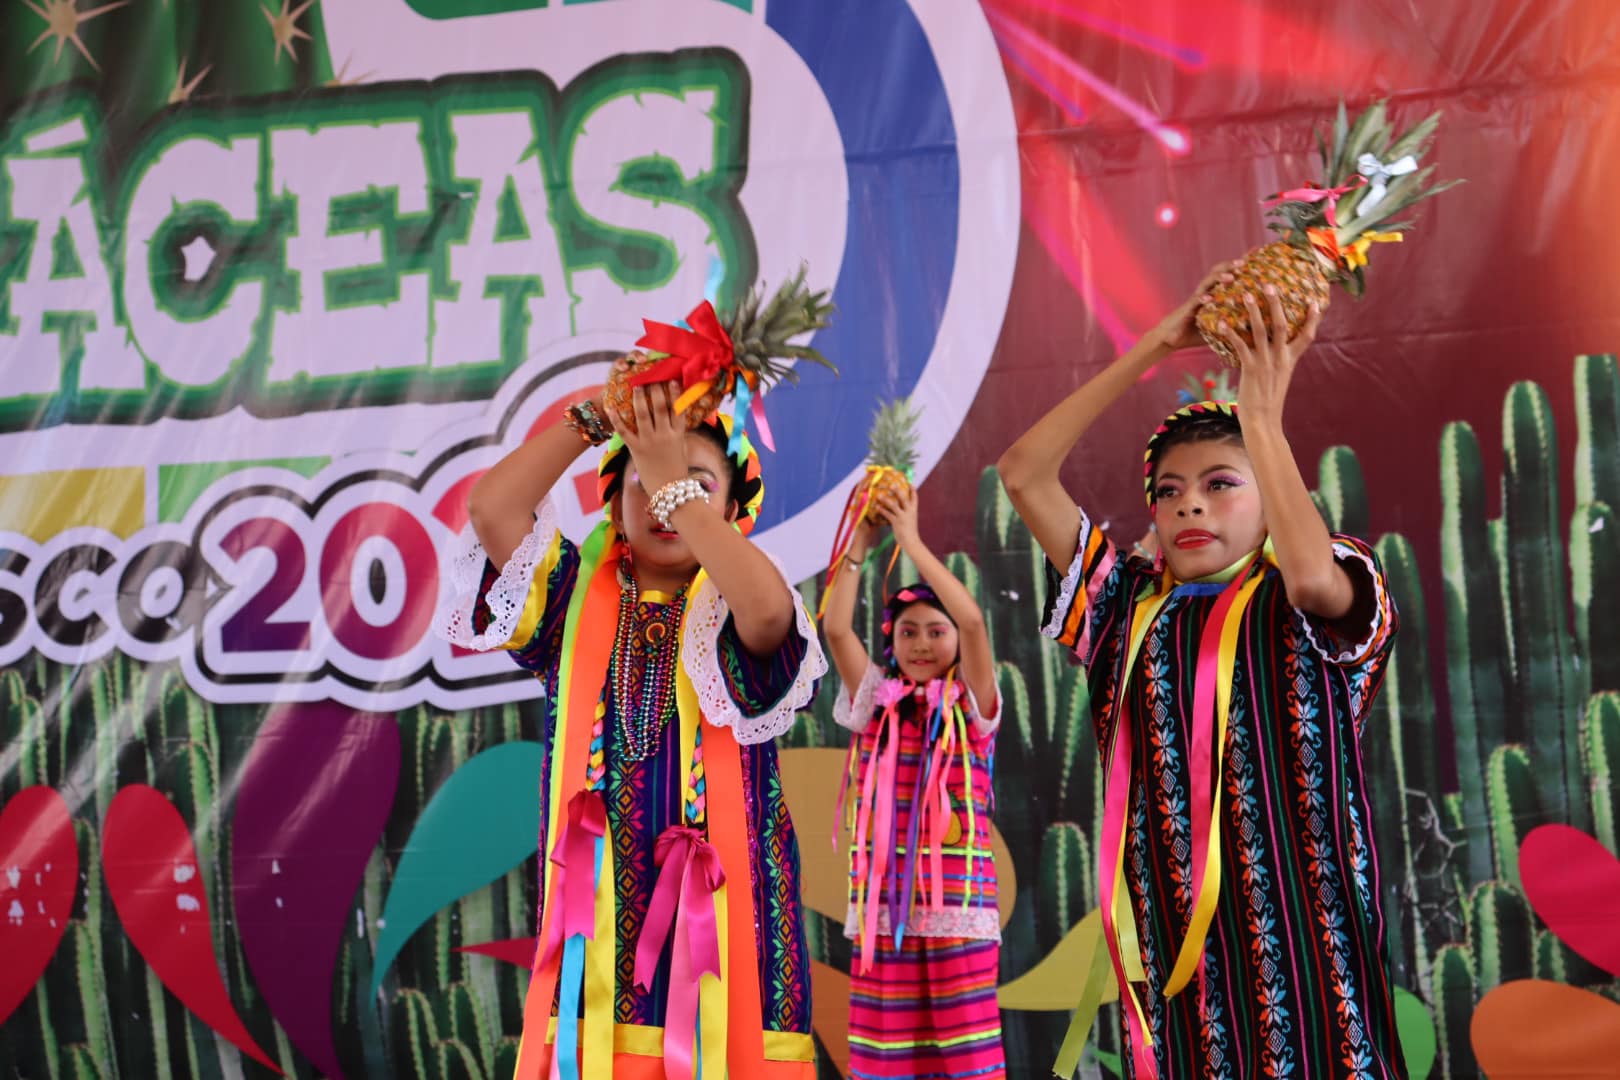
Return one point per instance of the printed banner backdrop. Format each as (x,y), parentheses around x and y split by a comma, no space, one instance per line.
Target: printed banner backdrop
(279,280)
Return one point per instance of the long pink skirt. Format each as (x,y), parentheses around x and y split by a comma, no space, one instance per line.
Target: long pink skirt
(927,1012)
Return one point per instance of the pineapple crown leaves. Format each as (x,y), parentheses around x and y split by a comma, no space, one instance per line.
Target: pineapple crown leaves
(892,440)
(761,331)
(1370,133)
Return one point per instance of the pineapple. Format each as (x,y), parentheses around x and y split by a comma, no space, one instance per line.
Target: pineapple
(891,452)
(1323,242)
(760,335)
(891,458)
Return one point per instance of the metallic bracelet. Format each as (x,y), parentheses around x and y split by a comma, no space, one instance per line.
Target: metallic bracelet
(587,422)
(672,496)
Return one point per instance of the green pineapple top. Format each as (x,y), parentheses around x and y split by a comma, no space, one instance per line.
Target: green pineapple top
(761,330)
(1393,180)
(893,438)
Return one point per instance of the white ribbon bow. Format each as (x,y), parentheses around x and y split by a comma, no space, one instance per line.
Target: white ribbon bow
(1378,177)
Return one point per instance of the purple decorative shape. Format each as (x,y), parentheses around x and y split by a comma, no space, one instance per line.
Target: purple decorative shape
(314,797)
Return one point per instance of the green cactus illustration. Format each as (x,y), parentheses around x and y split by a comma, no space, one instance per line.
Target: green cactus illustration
(82,1063)
(1550,957)
(1511,796)
(1594,564)
(1501,934)
(1601,744)
(1475,653)
(1066,865)
(1541,690)
(1597,416)
(1454,998)
(1342,491)
(506,1057)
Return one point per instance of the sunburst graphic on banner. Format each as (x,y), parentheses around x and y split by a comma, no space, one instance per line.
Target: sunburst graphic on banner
(62,21)
(1078,64)
(284,27)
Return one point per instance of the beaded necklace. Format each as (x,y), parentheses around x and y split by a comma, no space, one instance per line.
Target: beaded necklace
(645,649)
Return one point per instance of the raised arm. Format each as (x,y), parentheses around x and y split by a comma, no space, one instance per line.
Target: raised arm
(978,665)
(501,504)
(1316,583)
(761,603)
(849,653)
(1029,469)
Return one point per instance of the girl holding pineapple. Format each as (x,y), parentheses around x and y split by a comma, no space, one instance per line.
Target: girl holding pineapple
(922,898)
(672,651)
(1230,680)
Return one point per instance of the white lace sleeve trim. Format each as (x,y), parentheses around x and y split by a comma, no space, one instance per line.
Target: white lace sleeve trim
(700,655)
(1357,651)
(853,711)
(1071,582)
(509,594)
(983,724)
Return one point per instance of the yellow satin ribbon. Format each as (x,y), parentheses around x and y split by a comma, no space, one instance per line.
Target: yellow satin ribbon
(1148,606)
(1356,254)
(712,1001)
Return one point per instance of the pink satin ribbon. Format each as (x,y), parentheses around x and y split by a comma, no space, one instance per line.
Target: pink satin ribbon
(1093,589)
(1314,194)
(874,830)
(574,856)
(683,902)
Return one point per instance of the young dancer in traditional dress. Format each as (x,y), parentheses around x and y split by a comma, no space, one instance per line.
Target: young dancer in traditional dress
(1230,681)
(922,891)
(672,652)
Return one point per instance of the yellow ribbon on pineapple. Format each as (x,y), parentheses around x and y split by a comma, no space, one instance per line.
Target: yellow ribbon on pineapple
(1356,254)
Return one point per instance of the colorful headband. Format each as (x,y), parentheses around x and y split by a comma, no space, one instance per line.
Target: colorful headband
(894,605)
(749,497)
(1199,410)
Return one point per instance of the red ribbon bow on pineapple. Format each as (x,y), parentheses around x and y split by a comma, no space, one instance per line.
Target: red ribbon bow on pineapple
(697,358)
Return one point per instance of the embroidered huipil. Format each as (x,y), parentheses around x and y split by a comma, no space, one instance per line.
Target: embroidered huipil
(922,888)
(1294,979)
(892,714)
(745,702)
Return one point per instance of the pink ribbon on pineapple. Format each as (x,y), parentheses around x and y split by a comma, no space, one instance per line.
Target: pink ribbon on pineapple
(574,856)
(683,901)
(1317,194)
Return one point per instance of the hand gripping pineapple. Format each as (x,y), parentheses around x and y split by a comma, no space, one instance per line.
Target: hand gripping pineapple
(1371,174)
(891,459)
(738,355)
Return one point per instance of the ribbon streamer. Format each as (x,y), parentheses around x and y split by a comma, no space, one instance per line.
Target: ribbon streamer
(1310,194)
(697,358)
(1378,176)
(688,877)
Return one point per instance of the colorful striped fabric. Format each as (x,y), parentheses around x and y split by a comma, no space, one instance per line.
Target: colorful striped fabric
(644,798)
(1295,979)
(926,1011)
(928,1008)
(968,907)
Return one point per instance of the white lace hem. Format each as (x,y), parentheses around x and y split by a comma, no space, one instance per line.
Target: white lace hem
(1071,582)
(1357,651)
(700,655)
(507,596)
(953,921)
(854,711)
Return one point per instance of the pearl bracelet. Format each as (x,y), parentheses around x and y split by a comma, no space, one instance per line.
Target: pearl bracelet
(672,496)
